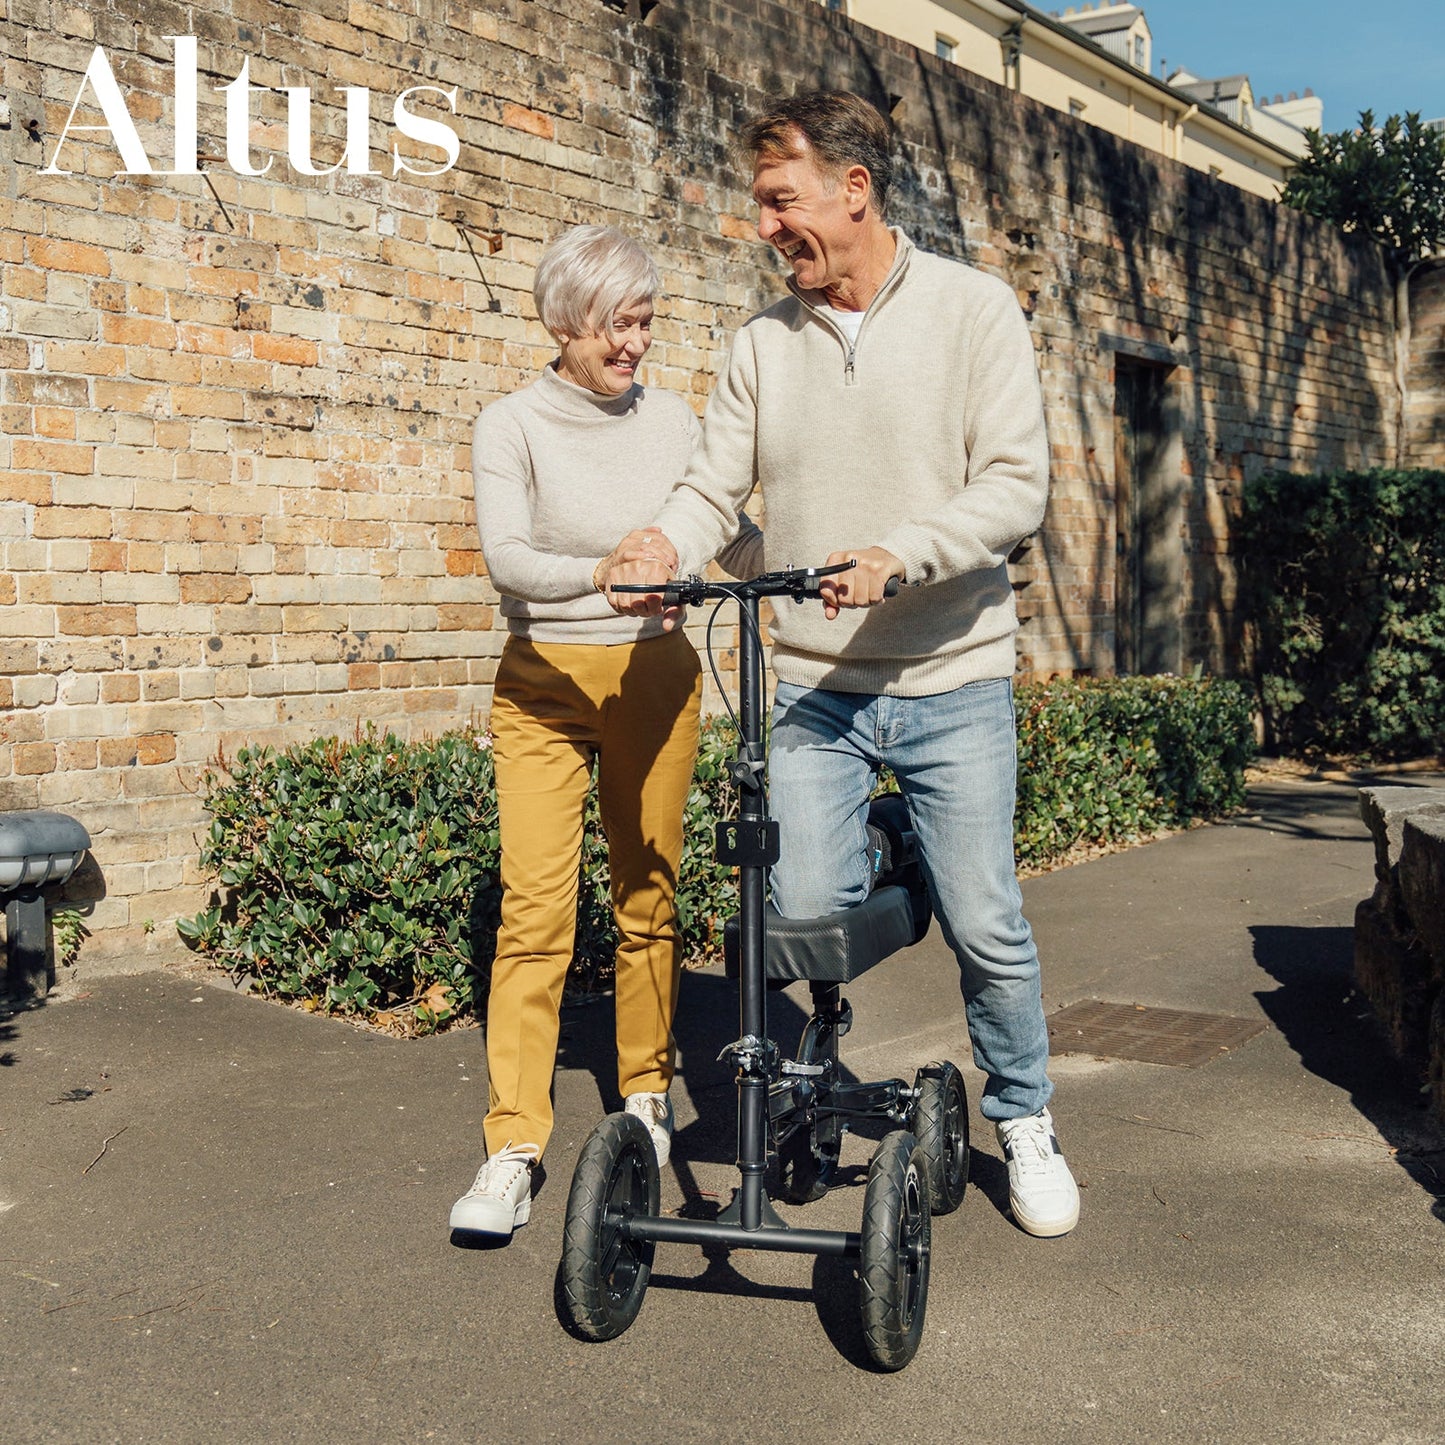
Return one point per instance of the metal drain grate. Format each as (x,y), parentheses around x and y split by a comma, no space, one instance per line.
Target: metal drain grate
(1150,1035)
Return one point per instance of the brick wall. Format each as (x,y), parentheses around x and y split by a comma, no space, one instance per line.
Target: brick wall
(236,500)
(1425,380)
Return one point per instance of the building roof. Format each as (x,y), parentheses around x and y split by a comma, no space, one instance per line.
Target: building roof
(1095,23)
(1227,87)
(1033,15)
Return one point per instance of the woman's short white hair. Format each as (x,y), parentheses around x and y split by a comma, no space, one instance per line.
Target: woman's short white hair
(587,275)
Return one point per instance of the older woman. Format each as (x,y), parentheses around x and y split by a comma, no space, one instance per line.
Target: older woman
(562,468)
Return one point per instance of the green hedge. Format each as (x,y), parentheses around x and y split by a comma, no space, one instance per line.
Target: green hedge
(1344,591)
(1116,759)
(361,876)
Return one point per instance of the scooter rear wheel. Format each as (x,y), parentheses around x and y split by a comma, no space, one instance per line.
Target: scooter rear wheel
(605,1274)
(894,1259)
(940,1124)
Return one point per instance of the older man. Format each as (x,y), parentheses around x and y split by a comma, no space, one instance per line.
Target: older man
(890,409)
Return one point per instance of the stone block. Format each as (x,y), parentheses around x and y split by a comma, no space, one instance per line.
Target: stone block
(1384,811)
(1437,1058)
(1421,873)
(1393,972)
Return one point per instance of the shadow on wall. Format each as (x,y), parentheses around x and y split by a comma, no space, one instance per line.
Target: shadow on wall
(1110,247)
(1426,418)
(1334,1032)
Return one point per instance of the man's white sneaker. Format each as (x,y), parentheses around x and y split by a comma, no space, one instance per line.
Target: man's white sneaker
(500,1198)
(655,1111)
(1041,1191)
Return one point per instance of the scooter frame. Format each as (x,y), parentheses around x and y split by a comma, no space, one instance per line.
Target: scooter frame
(613,1215)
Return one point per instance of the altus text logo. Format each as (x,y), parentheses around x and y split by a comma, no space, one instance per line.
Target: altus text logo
(356,158)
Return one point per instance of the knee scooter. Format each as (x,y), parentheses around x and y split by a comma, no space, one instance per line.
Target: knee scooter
(796,1111)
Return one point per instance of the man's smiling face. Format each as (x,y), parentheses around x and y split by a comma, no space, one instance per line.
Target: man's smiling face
(807,216)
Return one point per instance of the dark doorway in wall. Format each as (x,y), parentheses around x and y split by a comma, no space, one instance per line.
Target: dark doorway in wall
(1148,547)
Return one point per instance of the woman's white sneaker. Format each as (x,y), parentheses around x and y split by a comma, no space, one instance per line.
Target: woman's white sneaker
(500,1198)
(1041,1190)
(655,1111)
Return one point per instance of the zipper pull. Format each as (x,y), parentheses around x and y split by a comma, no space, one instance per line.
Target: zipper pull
(848,367)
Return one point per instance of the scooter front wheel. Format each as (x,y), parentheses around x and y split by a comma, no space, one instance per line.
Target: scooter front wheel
(894,1259)
(940,1123)
(604,1273)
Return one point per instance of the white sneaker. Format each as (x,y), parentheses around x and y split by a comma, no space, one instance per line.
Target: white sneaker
(1041,1191)
(655,1111)
(500,1198)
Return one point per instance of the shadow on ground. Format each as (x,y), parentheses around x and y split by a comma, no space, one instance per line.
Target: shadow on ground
(706,1022)
(1332,1029)
(10,1011)
(1312,815)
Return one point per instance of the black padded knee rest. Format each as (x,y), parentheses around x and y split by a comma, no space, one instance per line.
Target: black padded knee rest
(837,947)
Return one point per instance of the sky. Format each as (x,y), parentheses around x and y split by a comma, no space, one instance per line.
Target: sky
(1383,55)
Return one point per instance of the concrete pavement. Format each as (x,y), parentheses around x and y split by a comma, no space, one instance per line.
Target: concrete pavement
(222,1219)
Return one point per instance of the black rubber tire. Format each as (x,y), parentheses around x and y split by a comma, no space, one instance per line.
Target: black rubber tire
(894,1258)
(940,1124)
(604,1275)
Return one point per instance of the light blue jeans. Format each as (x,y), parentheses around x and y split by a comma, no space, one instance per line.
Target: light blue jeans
(954,755)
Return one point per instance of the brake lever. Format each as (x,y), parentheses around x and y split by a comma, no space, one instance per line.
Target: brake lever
(678,591)
(813,579)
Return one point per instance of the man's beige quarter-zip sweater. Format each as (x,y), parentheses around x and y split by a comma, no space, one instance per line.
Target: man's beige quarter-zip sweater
(925,437)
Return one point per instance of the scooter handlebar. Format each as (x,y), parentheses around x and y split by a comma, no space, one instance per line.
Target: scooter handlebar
(799,583)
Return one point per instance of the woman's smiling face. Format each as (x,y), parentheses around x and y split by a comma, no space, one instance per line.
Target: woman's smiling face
(606,361)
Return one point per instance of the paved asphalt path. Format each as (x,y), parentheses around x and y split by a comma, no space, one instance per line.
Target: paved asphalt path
(222,1220)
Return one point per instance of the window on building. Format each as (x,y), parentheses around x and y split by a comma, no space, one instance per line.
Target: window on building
(1076,107)
(944,48)
(1139,52)
(841,5)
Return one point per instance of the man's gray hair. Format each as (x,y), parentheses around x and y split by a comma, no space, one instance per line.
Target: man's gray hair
(841,129)
(587,275)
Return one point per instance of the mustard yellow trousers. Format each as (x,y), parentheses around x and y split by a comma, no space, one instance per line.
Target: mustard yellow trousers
(556,708)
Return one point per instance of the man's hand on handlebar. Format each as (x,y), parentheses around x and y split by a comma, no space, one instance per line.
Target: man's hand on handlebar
(642,558)
(864,584)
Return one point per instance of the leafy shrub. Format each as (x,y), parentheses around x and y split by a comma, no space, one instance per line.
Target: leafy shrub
(362,876)
(67,928)
(358,874)
(1344,591)
(1113,759)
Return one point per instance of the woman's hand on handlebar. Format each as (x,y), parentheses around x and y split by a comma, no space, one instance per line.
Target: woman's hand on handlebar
(642,558)
(646,544)
(862,585)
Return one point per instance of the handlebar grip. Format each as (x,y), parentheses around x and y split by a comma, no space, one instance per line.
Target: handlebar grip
(890,587)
